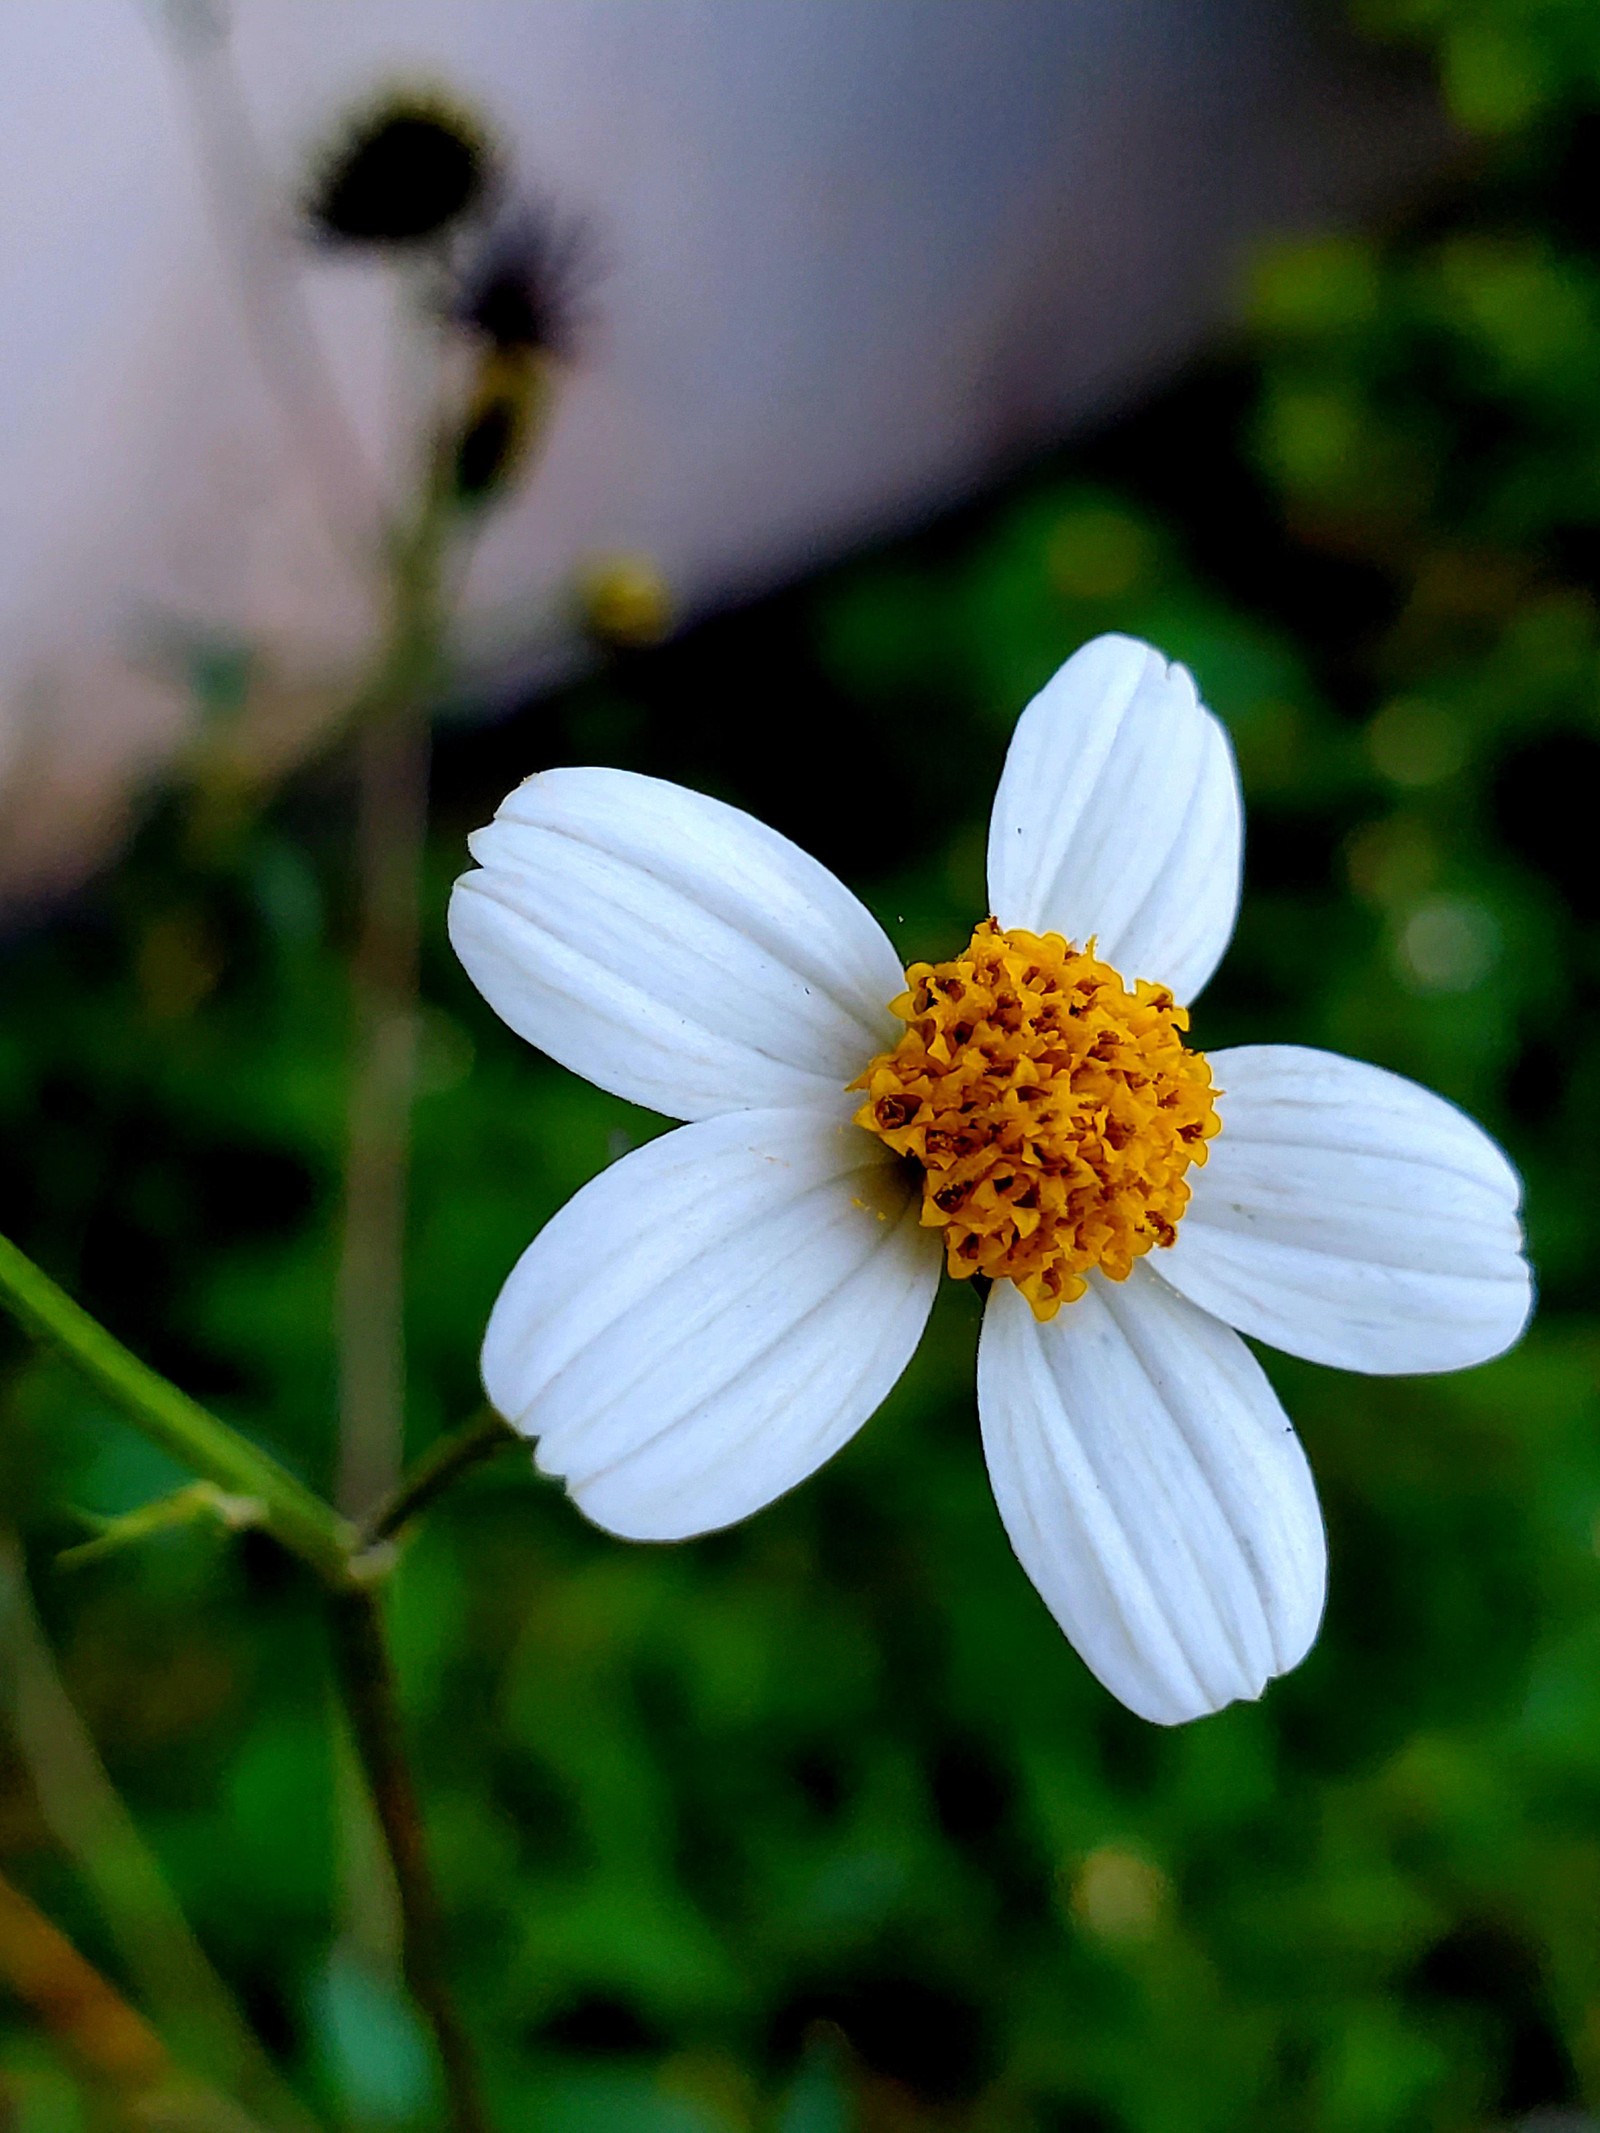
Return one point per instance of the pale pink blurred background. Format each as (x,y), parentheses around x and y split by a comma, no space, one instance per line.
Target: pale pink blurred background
(860,257)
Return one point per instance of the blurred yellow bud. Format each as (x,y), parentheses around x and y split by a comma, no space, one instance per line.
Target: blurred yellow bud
(625,600)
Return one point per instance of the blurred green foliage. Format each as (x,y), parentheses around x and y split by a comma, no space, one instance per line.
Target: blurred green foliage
(818,1825)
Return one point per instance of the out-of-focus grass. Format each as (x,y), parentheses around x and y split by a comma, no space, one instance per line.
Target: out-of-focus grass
(818,1824)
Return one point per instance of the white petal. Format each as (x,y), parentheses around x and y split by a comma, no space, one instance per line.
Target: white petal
(671,948)
(1349,1216)
(1154,1492)
(1118,817)
(711,1318)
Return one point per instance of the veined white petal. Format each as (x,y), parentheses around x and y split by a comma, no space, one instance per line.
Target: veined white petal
(670,947)
(1154,1492)
(710,1319)
(1349,1216)
(1118,817)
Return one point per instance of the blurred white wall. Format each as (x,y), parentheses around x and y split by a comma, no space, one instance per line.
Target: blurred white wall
(860,255)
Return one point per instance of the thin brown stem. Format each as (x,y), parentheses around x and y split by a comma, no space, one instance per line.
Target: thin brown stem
(391,734)
(392,773)
(391,748)
(390,745)
(86,1816)
(441,1465)
(372,1702)
(105,2040)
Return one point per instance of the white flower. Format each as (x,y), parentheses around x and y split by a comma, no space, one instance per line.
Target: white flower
(715,1315)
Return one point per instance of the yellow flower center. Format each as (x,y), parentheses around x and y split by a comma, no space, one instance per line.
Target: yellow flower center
(1053,1112)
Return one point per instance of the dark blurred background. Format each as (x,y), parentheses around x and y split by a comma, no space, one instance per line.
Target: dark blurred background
(818,1825)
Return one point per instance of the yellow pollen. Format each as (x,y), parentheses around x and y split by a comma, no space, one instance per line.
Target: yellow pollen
(1052,1111)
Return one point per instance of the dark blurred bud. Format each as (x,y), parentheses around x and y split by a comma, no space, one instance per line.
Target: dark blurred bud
(529,287)
(402,173)
(500,422)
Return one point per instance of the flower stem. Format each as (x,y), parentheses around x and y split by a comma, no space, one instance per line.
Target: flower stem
(391,745)
(107,2040)
(305,1525)
(389,730)
(170,1971)
(204,1443)
(451,1456)
(392,773)
(372,1702)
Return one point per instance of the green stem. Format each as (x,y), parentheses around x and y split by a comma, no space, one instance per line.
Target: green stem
(81,1808)
(391,751)
(193,1435)
(372,1703)
(392,760)
(433,1473)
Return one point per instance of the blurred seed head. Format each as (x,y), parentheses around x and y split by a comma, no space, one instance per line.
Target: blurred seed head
(529,286)
(521,299)
(401,172)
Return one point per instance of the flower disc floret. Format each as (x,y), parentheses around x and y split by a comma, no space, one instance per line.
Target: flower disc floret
(1052,1111)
